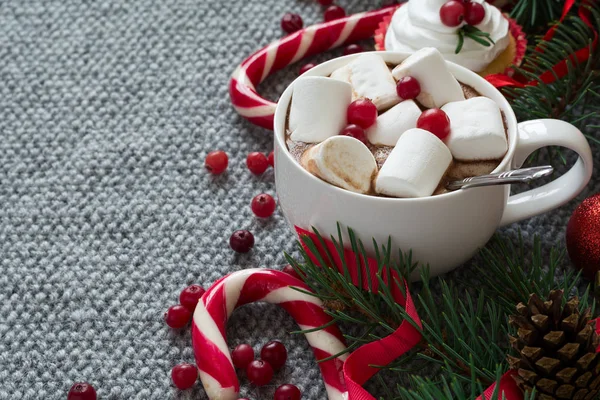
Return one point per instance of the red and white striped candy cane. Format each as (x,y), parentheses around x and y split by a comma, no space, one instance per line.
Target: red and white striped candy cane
(281,53)
(210,319)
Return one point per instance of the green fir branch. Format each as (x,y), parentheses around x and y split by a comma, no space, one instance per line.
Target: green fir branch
(535,15)
(572,98)
(464,333)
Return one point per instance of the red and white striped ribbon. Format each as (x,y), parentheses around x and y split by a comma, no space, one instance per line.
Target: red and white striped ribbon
(210,319)
(312,40)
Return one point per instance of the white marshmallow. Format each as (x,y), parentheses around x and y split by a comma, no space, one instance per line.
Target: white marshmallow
(415,166)
(393,123)
(318,109)
(476,129)
(342,161)
(370,78)
(438,85)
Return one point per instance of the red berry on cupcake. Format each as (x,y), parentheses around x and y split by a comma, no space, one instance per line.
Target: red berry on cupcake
(435,121)
(408,88)
(474,13)
(452,13)
(362,112)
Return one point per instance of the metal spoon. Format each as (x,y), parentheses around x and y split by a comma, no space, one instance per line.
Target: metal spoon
(502,178)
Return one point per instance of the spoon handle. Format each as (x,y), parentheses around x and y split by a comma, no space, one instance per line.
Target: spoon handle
(502,178)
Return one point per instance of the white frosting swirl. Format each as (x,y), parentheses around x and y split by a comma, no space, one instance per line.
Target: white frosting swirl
(417,24)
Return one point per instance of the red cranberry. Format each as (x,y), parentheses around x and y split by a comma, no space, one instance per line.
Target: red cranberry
(452,13)
(408,88)
(257,162)
(353,49)
(334,12)
(259,372)
(241,241)
(325,2)
(81,391)
(474,13)
(274,353)
(288,269)
(435,121)
(356,132)
(177,316)
(216,162)
(184,375)
(287,392)
(190,296)
(242,355)
(307,67)
(271,159)
(362,112)
(291,22)
(263,205)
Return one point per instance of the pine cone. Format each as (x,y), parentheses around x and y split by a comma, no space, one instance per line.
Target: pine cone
(556,349)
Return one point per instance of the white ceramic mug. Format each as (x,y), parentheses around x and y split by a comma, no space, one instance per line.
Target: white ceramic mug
(443,231)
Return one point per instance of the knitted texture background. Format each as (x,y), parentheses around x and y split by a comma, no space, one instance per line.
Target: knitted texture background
(107,110)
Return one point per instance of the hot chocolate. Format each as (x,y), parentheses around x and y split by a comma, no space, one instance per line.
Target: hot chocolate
(445,131)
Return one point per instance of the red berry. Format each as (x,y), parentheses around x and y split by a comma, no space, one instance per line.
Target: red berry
(271,159)
(291,22)
(241,241)
(257,162)
(325,2)
(435,121)
(263,205)
(216,162)
(177,316)
(259,372)
(184,375)
(408,88)
(474,13)
(334,12)
(288,269)
(242,355)
(307,67)
(274,353)
(353,49)
(452,13)
(356,132)
(362,112)
(81,391)
(190,296)
(287,392)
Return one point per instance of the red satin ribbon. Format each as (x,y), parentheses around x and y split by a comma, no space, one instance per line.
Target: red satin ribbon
(562,68)
(358,368)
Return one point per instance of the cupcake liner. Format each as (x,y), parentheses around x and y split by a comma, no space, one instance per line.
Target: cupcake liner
(515,30)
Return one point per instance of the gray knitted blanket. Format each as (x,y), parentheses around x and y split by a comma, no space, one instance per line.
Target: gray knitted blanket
(107,110)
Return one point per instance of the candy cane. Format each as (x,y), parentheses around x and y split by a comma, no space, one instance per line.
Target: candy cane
(210,318)
(281,53)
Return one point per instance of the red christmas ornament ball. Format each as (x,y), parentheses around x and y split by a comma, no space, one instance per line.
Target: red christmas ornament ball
(583,237)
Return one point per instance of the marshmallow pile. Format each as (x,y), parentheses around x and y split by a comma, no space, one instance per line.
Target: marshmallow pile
(419,159)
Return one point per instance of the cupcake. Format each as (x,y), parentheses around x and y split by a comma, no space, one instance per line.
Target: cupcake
(450,27)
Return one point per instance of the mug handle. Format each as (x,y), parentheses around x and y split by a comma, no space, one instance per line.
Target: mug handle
(541,133)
